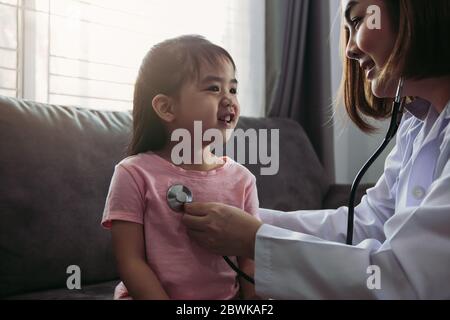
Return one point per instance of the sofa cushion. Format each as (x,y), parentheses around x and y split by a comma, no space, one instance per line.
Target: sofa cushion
(55,168)
(100,291)
(56,164)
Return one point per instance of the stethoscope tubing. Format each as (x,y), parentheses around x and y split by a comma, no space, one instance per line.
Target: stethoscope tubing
(397,110)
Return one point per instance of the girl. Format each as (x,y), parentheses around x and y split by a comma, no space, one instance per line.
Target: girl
(402,226)
(181,80)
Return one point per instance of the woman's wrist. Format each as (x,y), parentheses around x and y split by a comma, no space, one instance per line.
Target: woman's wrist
(252,239)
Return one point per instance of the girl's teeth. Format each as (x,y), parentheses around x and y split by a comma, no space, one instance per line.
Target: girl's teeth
(228,118)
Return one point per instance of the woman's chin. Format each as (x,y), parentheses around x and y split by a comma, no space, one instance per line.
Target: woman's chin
(382,92)
(378,93)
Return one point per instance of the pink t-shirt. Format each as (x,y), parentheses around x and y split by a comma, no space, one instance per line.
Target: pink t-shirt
(138,194)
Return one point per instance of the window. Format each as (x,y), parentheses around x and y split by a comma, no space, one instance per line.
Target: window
(9,70)
(87,52)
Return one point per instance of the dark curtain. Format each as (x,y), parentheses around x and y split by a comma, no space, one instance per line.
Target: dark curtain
(299,71)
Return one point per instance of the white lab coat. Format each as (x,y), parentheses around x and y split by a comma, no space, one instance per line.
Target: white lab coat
(402,227)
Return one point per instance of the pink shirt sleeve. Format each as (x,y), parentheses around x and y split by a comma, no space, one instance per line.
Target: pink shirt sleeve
(124,201)
(251,204)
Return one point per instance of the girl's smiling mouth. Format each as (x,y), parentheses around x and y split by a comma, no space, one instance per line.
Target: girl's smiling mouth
(227,118)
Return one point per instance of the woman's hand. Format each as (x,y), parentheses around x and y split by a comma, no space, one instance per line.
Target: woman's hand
(221,229)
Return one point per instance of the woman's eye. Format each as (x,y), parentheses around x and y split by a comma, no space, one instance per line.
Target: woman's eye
(213,88)
(355,22)
(233,91)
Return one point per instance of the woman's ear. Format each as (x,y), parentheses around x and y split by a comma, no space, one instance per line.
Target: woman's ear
(163,107)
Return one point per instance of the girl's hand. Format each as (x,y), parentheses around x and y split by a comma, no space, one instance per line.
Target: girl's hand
(221,229)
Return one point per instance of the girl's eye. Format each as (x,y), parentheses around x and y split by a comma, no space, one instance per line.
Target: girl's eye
(213,88)
(233,91)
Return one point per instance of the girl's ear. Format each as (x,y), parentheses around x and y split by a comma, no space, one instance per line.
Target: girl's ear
(163,107)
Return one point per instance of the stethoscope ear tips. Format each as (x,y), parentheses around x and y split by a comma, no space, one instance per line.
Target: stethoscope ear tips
(177,196)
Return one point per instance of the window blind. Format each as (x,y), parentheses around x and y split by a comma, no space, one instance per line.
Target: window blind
(87,52)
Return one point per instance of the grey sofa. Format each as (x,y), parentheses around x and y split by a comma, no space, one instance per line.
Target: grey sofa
(56,163)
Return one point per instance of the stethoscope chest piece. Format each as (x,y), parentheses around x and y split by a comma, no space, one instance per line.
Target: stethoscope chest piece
(177,196)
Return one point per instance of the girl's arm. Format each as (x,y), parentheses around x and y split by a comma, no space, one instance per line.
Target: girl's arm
(140,281)
(247,291)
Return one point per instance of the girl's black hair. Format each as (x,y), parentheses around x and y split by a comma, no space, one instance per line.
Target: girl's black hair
(164,69)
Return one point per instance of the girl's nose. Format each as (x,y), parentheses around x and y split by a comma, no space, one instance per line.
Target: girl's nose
(226,102)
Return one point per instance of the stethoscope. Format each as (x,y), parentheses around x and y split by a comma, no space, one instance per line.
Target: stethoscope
(178,195)
(397,112)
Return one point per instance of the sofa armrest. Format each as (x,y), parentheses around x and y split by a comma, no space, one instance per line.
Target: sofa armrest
(338,195)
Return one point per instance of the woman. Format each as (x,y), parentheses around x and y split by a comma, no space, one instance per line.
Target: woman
(402,225)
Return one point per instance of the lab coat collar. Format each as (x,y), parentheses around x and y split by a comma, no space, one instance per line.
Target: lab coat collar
(419,108)
(447,110)
(432,121)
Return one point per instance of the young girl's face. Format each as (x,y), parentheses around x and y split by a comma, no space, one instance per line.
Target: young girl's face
(370,47)
(212,100)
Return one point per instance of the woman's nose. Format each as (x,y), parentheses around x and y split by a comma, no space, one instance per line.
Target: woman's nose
(352,51)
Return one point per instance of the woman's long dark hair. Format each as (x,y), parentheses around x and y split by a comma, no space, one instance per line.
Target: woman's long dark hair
(421,51)
(165,68)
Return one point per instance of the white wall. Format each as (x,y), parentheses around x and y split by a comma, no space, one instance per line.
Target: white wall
(352,147)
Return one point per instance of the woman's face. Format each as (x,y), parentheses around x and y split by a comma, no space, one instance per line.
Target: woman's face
(370,44)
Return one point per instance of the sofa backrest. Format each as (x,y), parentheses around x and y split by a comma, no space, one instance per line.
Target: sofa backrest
(56,164)
(301,181)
